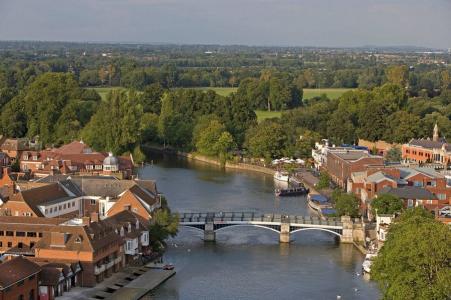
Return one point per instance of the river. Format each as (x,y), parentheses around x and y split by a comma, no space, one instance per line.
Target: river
(247,262)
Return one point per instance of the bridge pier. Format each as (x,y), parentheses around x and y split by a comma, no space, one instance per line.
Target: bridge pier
(347,236)
(209,232)
(284,233)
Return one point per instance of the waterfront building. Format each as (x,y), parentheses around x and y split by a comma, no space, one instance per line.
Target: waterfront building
(76,158)
(418,186)
(19,279)
(436,151)
(95,245)
(341,164)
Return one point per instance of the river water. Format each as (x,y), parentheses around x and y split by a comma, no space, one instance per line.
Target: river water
(248,262)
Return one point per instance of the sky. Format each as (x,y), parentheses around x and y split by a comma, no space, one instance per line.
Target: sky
(331,23)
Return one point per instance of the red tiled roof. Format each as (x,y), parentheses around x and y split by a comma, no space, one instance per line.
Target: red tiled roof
(15,270)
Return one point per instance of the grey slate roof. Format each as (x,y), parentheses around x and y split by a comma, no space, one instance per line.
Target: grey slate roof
(429,144)
(408,192)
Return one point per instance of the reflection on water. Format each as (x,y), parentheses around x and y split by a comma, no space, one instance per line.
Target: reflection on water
(249,262)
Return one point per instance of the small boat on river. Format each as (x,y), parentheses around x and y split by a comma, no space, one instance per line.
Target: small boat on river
(282,176)
(366,265)
(318,202)
(292,191)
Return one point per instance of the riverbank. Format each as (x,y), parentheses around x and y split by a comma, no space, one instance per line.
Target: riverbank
(210,160)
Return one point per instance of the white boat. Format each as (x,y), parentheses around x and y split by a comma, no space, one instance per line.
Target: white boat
(282,176)
(366,265)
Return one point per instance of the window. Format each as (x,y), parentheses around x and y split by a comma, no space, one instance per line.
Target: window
(73,203)
(418,183)
(51,209)
(2,233)
(20,233)
(64,206)
(40,234)
(1,244)
(31,234)
(10,244)
(93,201)
(441,196)
(31,244)
(78,240)
(60,207)
(9,233)
(410,203)
(20,245)
(20,296)
(46,211)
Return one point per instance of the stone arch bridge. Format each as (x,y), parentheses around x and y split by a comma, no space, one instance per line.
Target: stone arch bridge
(212,222)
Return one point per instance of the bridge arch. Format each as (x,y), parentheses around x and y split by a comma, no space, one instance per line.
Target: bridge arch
(316,228)
(247,225)
(192,227)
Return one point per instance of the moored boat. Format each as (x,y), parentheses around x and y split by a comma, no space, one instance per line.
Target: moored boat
(292,192)
(318,202)
(366,265)
(282,176)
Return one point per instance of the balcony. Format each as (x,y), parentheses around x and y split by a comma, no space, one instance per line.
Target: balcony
(110,264)
(98,270)
(118,260)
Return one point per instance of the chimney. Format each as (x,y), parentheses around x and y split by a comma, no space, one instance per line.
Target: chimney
(94,217)
(57,239)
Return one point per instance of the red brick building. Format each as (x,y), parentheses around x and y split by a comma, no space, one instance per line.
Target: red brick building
(19,279)
(96,245)
(75,158)
(432,187)
(436,150)
(340,165)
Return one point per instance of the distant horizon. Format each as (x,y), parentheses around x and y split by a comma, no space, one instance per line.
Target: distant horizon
(324,23)
(222,45)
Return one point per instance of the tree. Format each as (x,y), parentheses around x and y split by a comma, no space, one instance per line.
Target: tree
(414,262)
(397,75)
(207,137)
(324,181)
(224,146)
(386,204)
(346,204)
(151,98)
(402,126)
(267,139)
(394,154)
(116,126)
(164,224)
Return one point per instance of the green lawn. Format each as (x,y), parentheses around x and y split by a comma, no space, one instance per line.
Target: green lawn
(331,93)
(103,91)
(264,114)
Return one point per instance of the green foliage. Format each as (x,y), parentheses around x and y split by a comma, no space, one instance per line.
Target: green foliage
(394,154)
(346,204)
(386,204)
(324,181)
(164,225)
(267,139)
(414,262)
(116,124)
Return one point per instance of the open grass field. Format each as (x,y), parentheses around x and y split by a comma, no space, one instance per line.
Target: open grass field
(103,91)
(264,114)
(330,92)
